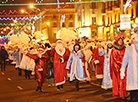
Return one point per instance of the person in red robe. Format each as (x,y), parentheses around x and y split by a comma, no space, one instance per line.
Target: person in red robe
(99,62)
(61,55)
(116,58)
(41,59)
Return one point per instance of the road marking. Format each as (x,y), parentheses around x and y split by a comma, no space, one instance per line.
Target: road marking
(2,73)
(9,79)
(19,87)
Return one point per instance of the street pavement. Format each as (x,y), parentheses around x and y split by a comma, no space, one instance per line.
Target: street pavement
(14,88)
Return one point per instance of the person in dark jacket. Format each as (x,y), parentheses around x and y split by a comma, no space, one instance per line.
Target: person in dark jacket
(3,57)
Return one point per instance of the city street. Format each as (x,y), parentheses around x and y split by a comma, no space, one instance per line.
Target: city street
(14,88)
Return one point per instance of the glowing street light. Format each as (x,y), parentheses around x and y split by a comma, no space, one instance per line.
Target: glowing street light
(31,6)
(22,11)
(48,23)
(1,32)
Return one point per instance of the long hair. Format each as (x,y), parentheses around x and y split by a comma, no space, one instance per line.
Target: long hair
(74,47)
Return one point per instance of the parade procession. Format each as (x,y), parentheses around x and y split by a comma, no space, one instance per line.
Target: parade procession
(69,51)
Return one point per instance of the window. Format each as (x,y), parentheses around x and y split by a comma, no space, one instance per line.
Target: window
(93,5)
(132,13)
(63,24)
(54,17)
(54,24)
(103,19)
(70,17)
(71,24)
(93,20)
(115,18)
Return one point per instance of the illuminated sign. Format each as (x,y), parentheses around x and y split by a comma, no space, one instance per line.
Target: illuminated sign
(84,32)
(125,22)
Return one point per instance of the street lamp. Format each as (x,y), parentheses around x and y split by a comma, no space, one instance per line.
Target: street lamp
(31,5)
(47,23)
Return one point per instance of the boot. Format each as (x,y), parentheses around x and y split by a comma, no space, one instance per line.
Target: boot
(40,89)
(37,88)
(25,74)
(77,86)
(52,81)
(20,72)
(35,77)
(49,82)
(28,74)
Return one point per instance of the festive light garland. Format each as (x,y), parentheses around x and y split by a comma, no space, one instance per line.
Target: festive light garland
(34,10)
(22,18)
(56,3)
(35,15)
(9,24)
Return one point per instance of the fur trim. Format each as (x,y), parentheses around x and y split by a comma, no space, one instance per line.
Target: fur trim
(119,47)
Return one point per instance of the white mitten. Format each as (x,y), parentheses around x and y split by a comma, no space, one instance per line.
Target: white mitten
(122,74)
(62,60)
(96,61)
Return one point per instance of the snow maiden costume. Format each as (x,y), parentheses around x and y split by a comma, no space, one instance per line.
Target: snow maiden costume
(107,82)
(131,60)
(77,70)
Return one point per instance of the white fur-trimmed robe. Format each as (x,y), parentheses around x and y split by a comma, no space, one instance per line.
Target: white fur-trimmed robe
(131,59)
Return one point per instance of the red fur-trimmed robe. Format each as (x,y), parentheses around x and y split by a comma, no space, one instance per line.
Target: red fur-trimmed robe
(99,66)
(119,86)
(59,67)
(42,64)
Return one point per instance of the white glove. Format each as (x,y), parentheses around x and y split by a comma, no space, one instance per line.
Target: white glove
(67,68)
(96,61)
(122,74)
(62,60)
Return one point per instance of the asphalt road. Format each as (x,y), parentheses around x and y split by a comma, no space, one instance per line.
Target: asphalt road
(14,88)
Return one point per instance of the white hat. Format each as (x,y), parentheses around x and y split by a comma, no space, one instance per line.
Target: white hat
(41,49)
(109,42)
(133,36)
(59,40)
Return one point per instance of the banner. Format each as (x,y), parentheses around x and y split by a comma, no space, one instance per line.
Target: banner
(125,22)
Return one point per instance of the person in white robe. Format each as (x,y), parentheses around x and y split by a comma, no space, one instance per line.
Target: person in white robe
(130,61)
(107,82)
(77,71)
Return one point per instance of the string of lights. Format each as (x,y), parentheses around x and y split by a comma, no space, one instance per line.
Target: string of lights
(15,24)
(60,3)
(35,15)
(22,18)
(34,10)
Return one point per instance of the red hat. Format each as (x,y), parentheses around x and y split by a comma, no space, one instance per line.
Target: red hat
(118,36)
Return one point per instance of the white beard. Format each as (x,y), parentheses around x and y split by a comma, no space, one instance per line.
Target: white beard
(60,49)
